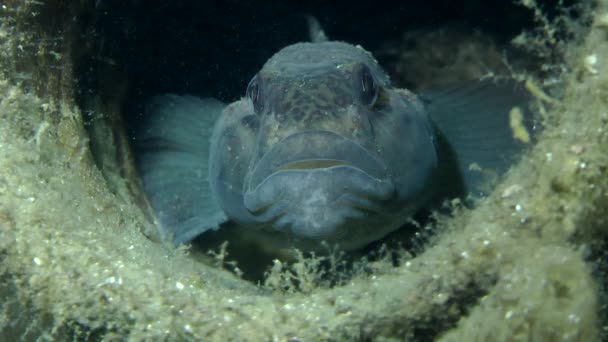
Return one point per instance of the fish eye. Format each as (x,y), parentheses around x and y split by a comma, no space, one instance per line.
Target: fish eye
(253,92)
(369,87)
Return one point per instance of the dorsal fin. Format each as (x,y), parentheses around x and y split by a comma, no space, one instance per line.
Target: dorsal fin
(315,30)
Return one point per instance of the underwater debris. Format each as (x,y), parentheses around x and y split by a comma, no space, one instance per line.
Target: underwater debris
(590,63)
(516,119)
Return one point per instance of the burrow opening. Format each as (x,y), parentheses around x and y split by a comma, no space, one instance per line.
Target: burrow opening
(134,50)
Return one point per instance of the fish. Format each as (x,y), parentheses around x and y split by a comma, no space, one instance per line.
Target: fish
(323,149)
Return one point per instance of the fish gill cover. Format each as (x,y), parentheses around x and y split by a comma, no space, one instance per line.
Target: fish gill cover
(79,258)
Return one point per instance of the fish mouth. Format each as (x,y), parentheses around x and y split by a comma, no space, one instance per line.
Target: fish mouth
(312,183)
(311,164)
(315,149)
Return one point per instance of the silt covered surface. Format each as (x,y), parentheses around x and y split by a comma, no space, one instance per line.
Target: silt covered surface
(77,260)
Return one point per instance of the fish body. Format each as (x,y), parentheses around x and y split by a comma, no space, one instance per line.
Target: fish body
(321,148)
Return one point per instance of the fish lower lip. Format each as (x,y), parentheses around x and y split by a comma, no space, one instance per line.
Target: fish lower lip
(316,203)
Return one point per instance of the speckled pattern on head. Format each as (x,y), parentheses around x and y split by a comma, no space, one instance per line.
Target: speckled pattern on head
(314,86)
(317,58)
(306,81)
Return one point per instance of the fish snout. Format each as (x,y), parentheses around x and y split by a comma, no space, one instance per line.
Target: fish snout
(316,203)
(313,183)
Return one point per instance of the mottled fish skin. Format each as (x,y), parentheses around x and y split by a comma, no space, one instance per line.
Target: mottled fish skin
(323,148)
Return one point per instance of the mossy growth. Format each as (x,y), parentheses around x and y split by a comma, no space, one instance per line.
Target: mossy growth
(527,263)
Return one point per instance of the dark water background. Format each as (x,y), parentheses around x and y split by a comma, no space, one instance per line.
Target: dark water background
(213,48)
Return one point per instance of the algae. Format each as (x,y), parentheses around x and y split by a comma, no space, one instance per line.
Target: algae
(528,263)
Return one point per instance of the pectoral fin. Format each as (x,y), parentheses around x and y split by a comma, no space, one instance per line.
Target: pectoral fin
(482,127)
(172,153)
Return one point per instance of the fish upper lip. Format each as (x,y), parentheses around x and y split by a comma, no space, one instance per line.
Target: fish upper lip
(286,191)
(315,149)
(311,164)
